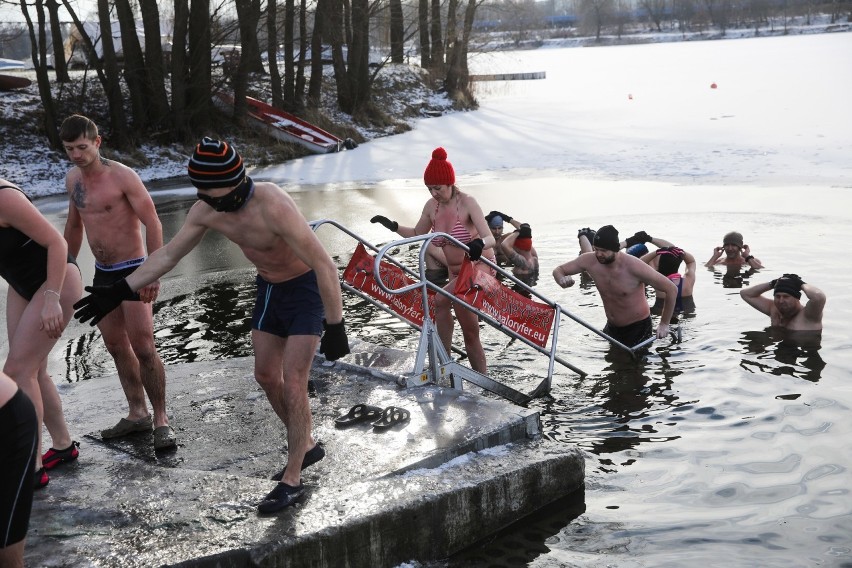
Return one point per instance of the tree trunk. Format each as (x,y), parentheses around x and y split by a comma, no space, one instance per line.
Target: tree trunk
(272,52)
(359,58)
(423,27)
(341,74)
(60,66)
(437,59)
(397,32)
(178,66)
(120,136)
(200,79)
(39,57)
(299,91)
(155,70)
(315,84)
(134,66)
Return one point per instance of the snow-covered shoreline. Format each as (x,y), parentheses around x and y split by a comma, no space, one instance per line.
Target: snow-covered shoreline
(638,119)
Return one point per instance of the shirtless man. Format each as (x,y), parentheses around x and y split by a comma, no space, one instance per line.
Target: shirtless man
(735,253)
(110,201)
(620,280)
(298,292)
(785,310)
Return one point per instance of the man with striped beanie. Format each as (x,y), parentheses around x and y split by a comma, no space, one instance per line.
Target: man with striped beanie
(298,293)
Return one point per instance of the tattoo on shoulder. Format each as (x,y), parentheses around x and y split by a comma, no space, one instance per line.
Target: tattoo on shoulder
(78,194)
(104,161)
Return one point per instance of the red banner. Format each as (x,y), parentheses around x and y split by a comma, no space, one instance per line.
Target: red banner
(529,319)
(359,275)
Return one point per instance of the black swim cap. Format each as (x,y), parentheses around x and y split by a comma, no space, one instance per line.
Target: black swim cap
(607,238)
(789,284)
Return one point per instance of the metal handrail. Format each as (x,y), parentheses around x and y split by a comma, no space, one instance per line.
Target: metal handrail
(423,284)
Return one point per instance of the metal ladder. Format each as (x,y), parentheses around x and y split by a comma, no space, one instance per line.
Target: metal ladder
(432,363)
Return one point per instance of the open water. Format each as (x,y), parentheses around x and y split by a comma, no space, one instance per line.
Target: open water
(732,447)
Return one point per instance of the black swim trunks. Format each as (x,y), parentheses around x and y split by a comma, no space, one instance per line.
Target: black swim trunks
(293,307)
(18,439)
(631,334)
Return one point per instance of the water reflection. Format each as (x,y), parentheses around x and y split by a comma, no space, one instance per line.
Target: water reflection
(796,352)
(212,322)
(732,276)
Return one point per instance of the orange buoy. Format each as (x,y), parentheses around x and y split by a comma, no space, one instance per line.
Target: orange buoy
(712,85)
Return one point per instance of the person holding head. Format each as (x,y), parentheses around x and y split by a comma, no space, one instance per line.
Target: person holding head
(44,282)
(110,202)
(496,219)
(667,260)
(736,253)
(298,292)
(621,280)
(18,448)
(785,309)
(459,215)
(518,249)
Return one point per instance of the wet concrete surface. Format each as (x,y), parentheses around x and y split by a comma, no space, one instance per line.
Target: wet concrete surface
(464,466)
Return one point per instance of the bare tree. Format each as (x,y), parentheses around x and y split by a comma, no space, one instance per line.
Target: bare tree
(423,28)
(272,51)
(60,66)
(154,70)
(200,86)
(656,9)
(134,65)
(397,31)
(436,65)
(120,135)
(179,69)
(38,44)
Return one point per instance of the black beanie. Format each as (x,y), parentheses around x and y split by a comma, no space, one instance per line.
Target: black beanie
(788,285)
(669,260)
(215,163)
(607,238)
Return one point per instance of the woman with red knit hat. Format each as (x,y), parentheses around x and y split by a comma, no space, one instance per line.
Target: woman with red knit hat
(459,215)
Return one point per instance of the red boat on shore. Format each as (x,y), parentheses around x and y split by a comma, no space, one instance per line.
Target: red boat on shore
(288,127)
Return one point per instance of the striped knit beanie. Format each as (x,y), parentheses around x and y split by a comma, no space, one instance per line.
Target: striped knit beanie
(439,171)
(215,163)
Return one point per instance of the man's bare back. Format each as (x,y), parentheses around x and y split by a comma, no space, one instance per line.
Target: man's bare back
(264,245)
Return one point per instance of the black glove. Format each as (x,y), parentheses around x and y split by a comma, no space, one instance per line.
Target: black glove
(506,218)
(102,300)
(334,343)
(590,233)
(391,225)
(525,232)
(638,237)
(475,246)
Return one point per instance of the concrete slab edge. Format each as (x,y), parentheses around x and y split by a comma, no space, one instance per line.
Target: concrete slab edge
(424,514)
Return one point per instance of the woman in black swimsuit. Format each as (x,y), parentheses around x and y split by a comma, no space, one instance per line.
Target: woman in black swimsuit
(44,282)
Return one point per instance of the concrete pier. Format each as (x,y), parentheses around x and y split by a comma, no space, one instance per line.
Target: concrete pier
(463,467)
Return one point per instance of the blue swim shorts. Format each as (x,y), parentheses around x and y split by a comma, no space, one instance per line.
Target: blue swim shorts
(293,307)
